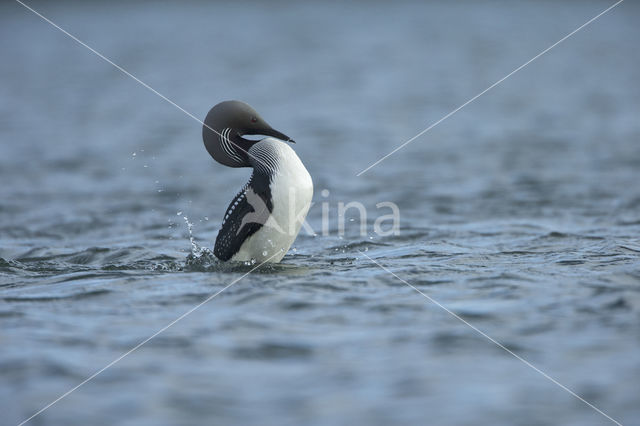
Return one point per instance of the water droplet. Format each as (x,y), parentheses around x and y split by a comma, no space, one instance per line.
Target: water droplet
(206,218)
(325,192)
(179,213)
(264,253)
(134,154)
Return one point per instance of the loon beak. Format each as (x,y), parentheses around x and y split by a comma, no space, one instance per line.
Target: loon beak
(271,132)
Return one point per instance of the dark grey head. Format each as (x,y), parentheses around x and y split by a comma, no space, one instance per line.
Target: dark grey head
(230,120)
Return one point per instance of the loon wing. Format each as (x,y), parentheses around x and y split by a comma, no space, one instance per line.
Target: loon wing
(246,214)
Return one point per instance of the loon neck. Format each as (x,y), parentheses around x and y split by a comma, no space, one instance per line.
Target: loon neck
(271,157)
(235,147)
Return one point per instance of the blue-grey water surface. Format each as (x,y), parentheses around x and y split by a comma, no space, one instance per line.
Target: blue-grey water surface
(521,214)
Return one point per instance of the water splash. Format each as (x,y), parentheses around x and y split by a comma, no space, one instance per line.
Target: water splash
(194,247)
(200,258)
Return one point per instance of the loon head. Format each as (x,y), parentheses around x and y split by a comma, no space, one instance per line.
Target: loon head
(224,128)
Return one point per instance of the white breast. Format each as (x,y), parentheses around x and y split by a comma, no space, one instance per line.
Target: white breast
(291,193)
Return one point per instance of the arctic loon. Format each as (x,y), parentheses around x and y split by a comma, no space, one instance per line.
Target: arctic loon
(264,218)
